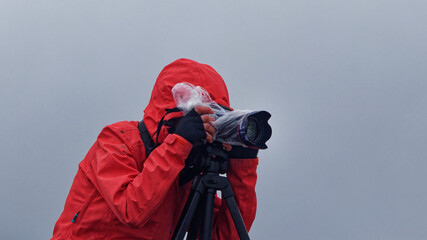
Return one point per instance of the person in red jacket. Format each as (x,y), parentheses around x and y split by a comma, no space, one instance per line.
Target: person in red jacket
(120,193)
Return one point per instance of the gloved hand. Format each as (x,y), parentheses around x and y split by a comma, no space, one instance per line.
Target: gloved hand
(242,152)
(195,128)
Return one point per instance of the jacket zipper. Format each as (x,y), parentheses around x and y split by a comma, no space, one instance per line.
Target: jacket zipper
(85,205)
(75,217)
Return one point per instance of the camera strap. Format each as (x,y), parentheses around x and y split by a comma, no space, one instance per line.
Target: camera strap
(146,138)
(148,141)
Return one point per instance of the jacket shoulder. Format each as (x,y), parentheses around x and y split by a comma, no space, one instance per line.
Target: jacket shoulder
(124,132)
(123,126)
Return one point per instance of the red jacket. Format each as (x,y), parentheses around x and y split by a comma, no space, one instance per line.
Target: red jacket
(119,193)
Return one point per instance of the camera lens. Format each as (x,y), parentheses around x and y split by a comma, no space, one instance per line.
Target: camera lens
(252,131)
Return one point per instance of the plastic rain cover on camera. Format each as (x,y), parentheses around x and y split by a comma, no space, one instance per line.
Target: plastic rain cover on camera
(187,96)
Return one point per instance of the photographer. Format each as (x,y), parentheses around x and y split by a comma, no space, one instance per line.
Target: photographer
(122,191)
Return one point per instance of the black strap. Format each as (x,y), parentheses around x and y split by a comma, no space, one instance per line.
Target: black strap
(224,107)
(146,138)
(161,123)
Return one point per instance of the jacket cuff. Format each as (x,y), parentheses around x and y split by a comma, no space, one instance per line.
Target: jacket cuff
(180,141)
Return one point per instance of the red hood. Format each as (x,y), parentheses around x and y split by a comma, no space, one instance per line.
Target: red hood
(181,70)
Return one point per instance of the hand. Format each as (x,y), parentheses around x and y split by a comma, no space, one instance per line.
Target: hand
(207,120)
(240,152)
(227,147)
(196,126)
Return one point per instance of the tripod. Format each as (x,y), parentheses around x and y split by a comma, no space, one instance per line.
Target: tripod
(200,213)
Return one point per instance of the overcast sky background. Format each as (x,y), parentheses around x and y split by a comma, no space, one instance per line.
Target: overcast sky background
(345,81)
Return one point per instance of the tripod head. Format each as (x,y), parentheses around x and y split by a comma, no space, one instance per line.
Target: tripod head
(209,157)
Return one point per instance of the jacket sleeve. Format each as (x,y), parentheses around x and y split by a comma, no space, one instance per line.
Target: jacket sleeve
(131,194)
(242,176)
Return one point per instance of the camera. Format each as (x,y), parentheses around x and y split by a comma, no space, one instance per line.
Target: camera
(243,127)
(239,127)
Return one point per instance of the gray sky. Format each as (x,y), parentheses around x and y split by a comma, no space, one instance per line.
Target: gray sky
(345,81)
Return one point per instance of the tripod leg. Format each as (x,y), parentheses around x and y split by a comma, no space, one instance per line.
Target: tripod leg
(190,207)
(193,231)
(228,195)
(206,230)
